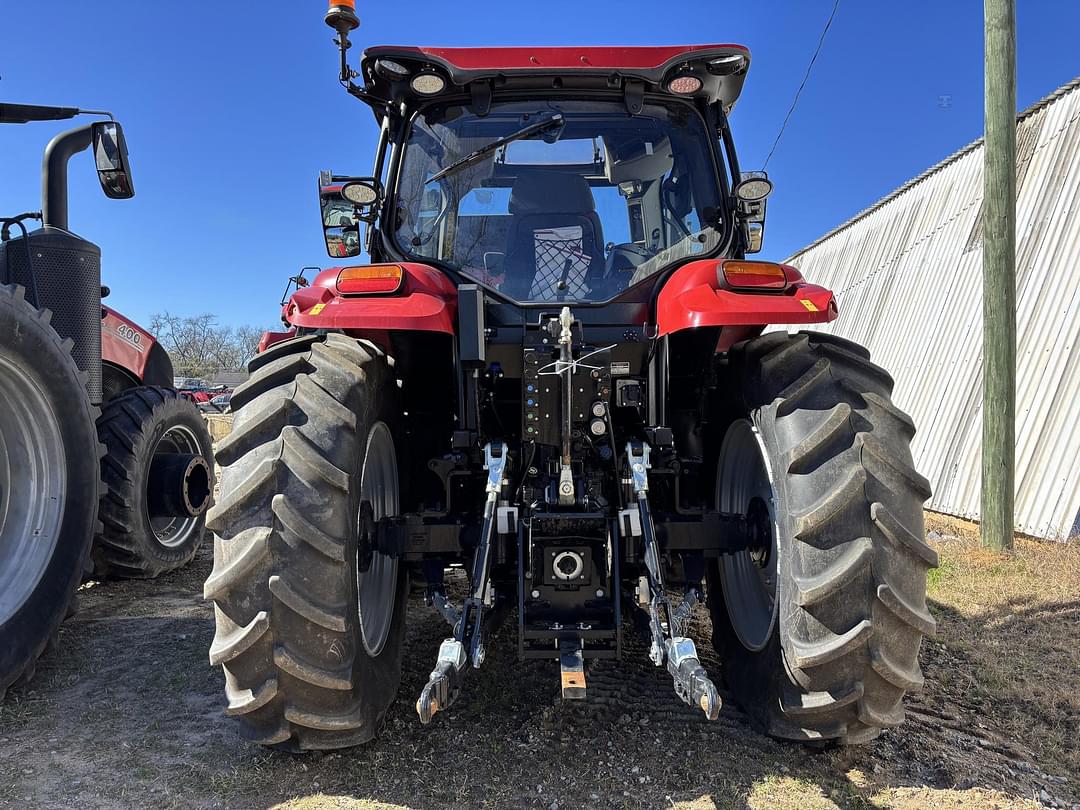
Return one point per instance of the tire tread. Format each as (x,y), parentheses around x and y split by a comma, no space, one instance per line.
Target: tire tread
(851,632)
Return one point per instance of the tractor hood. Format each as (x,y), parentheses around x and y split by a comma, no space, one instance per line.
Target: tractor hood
(712,72)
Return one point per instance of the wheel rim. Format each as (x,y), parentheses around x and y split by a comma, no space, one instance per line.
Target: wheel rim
(744,485)
(33,486)
(173,532)
(377,587)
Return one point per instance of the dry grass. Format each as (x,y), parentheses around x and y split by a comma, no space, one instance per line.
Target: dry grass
(1016,618)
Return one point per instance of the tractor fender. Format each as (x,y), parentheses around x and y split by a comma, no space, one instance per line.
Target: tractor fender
(695,296)
(127,346)
(268,339)
(425,302)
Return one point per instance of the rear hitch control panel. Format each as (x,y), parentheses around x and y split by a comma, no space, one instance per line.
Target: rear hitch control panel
(542,400)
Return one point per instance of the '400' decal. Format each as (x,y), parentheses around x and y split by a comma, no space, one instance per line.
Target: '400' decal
(129,335)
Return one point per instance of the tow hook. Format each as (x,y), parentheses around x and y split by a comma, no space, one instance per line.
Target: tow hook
(444,683)
(691,681)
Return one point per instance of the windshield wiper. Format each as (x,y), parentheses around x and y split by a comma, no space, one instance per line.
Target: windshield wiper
(532,129)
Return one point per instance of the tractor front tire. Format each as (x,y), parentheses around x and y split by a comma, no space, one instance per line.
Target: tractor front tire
(311,646)
(135,426)
(822,448)
(49,483)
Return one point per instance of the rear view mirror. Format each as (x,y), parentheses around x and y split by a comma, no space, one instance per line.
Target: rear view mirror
(341,243)
(755,235)
(345,202)
(111,157)
(338,214)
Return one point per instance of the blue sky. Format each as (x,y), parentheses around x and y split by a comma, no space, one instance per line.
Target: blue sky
(231,109)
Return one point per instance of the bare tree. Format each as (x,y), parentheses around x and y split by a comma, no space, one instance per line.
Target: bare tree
(200,347)
(245,339)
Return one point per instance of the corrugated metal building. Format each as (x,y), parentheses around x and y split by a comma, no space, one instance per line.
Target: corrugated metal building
(908,274)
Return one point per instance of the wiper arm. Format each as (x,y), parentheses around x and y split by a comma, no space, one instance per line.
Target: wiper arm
(555,121)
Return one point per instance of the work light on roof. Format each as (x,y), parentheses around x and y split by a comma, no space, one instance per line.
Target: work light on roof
(391,70)
(684,85)
(726,65)
(428,84)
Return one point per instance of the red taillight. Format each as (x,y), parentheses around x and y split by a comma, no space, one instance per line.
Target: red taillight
(684,85)
(372,279)
(753,275)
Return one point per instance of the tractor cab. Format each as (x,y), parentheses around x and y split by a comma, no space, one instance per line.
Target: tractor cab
(554,174)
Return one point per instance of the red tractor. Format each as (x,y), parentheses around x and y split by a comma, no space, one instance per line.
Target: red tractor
(555,374)
(104,469)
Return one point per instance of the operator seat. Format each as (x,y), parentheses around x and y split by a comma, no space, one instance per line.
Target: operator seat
(555,245)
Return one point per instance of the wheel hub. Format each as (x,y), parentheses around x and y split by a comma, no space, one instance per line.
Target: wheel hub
(744,485)
(365,540)
(376,573)
(178,486)
(759,523)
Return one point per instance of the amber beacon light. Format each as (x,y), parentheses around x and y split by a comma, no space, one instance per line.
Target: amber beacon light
(341,16)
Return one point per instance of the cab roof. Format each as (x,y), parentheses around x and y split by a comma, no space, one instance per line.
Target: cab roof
(721,68)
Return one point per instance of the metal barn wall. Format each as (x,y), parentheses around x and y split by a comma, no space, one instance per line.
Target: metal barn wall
(908,273)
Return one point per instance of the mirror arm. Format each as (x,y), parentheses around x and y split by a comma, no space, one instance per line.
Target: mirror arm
(366,97)
(106,113)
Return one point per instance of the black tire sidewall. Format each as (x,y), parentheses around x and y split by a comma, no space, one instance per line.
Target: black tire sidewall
(36,347)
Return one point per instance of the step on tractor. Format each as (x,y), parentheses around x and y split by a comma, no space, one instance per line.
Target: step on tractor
(555,375)
(104,469)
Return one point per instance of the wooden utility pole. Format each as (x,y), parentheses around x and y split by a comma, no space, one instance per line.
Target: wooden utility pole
(999,277)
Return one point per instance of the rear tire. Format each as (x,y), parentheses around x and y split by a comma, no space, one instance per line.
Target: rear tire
(134,426)
(847,528)
(311,648)
(49,483)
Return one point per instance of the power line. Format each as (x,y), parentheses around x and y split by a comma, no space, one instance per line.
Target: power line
(798,92)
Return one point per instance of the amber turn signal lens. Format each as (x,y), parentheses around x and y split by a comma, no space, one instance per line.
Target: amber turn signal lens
(754,275)
(372,279)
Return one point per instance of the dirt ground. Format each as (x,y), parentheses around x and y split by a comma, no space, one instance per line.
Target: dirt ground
(127,713)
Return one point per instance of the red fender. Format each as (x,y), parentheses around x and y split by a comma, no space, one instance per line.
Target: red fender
(268,339)
(124,343)
(426,302)
(696,296)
